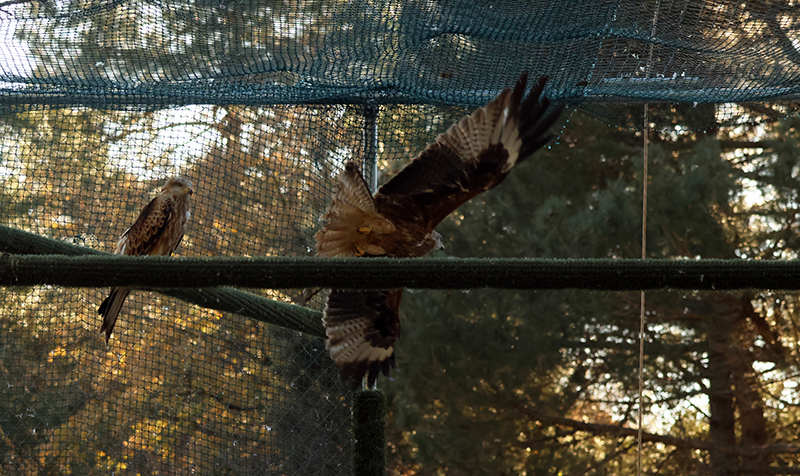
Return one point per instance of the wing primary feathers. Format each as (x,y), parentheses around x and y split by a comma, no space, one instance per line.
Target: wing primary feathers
(474,155)
(535,136)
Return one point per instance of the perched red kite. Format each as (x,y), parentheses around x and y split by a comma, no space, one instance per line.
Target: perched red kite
(473,156)
(157,231)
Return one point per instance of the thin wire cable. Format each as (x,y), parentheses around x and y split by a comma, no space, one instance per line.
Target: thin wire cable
(642,322)
(642,301)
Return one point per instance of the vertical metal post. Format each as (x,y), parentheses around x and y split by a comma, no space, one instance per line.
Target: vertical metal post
(369,407)
(369,433)
(370,164)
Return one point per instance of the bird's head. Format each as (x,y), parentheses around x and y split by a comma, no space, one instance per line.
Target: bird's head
(178,187)
(439,241)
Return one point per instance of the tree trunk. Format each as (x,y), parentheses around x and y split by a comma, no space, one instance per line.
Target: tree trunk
(722,420)
(746,386)
(734,386)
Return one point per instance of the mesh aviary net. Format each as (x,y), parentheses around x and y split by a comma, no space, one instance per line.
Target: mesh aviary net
(259,103)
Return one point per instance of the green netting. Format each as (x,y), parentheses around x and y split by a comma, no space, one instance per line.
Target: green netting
(115,53)
(180,388)
(260,102)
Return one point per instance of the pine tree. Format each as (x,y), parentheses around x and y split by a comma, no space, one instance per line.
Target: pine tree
(540,382)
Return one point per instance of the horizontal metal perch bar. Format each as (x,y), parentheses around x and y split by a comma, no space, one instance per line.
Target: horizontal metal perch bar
(385,273)
(224,299)
(377,273)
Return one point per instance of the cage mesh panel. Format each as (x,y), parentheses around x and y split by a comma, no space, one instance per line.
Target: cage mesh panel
(460,52)
(180,389)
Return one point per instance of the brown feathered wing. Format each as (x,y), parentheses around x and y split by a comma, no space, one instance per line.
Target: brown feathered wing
(351,218)
(473,156)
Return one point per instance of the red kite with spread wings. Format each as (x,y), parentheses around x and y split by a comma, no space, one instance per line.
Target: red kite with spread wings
(473,156)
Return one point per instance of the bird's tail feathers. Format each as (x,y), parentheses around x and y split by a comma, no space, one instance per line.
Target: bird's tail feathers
(352,204)
(110,308)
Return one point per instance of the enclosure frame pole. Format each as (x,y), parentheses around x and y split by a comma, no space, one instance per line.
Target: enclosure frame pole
(370,137)
(369,407)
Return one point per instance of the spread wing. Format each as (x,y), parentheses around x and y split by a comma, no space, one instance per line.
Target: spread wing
(352,209)
(362,328)
(473,156)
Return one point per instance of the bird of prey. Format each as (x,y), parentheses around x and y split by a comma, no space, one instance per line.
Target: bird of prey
(473,156)
(157,232)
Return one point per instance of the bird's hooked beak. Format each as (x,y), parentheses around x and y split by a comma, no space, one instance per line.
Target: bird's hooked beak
(439,241)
